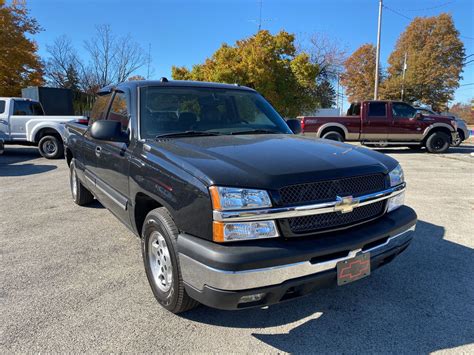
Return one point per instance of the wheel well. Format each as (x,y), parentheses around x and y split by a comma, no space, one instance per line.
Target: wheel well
(333,129)
(143,205)
(45,132)
(438,129)
(461,134)
(69,156)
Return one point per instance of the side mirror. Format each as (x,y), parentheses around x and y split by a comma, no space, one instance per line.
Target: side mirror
(108,131)
(418,116)
(295,125)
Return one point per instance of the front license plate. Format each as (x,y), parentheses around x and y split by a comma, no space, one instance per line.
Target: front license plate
(353,269)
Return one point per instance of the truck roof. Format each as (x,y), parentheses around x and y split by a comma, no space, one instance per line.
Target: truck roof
(173,83)
(17,98)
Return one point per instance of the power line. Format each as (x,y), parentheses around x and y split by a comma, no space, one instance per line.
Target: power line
(467,84)
(396,12)
(427,8)
(409,18)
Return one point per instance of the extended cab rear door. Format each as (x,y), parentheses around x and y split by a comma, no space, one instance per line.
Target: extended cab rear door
(375,121)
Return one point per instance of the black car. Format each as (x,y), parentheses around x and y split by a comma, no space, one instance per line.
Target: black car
(235,210)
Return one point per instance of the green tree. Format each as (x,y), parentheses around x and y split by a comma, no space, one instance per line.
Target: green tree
(268,63)
(359,75)
(434,62)
(20,65)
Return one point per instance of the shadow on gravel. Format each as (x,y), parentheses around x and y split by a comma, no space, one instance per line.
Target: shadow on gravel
(421,302)
(12,162)
(462,149)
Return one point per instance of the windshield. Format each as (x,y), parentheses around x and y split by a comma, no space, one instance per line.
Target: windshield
(168,110)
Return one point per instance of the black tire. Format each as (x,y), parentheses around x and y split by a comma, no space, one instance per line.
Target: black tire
(334,136)
(438,142)
(51,147)
(80,195)
(159,224)
(457,142)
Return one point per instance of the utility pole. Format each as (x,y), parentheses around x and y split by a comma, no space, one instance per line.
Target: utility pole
(148,62)
(403,76)
(377,59)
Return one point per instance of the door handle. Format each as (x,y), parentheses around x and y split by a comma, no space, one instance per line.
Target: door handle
(98,150)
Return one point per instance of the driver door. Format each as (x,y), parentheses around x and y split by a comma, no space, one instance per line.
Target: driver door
(404,125)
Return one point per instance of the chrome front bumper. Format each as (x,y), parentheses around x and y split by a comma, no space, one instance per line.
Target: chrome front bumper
(199,275)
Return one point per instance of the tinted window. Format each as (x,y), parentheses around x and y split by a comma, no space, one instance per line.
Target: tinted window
(354,110)
(27,108)
(179,109)
(400,109)
(2,106)
(377,109)
(99,110)
(119,110)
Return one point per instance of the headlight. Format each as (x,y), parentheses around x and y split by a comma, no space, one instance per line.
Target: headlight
(232,198)
(396,176)
(228,232)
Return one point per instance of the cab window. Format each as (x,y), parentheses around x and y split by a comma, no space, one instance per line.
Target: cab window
(99,110)
(2,106)
(377,109)
(354,110)
(27,108)
(402,110)
(119,111)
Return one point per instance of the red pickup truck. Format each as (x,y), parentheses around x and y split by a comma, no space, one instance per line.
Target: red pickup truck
(385,123)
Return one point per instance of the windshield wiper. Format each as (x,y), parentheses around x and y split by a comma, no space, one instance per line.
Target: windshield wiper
(187,134)
(256,131)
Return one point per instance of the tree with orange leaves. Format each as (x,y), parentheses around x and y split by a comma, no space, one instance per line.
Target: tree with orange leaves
(20,65)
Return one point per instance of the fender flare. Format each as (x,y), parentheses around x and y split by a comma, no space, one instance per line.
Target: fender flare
(433,126)
(32,129)
(332,124)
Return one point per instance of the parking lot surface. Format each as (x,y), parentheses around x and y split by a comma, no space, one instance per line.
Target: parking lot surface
(72,278)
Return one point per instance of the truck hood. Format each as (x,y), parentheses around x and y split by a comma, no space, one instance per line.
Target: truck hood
(268,161)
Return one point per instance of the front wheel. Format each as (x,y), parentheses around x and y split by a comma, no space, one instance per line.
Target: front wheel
(51,147)
(160,256)
(438,142)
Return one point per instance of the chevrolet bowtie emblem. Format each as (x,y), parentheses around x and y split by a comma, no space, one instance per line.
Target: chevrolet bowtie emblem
(345,204)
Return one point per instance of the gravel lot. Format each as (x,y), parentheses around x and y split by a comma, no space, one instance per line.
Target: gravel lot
(72,278)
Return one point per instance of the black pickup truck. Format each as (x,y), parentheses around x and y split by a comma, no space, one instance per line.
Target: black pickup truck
(233,208)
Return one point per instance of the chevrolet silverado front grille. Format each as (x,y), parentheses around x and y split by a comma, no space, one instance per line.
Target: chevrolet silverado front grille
(333,220)
(328,190)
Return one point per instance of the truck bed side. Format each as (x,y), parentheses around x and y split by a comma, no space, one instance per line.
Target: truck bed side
(74,142)
(314,126)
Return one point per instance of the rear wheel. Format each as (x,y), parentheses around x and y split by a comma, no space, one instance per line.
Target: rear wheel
(438,142)
(334,136)
(160,256)
(80,194)
(51,147)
